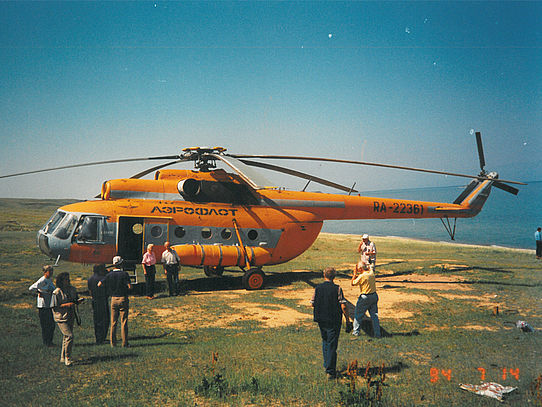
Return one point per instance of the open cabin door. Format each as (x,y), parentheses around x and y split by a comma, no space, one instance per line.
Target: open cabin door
(130,240)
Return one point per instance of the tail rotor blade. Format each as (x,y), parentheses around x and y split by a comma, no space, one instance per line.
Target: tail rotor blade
(506,188)
(480,150)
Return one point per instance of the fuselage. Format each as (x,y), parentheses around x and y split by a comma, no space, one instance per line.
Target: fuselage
(214,219)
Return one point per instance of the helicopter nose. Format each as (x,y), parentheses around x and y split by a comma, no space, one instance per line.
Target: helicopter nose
(43,243)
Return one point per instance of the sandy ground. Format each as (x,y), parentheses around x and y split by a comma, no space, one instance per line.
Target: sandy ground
(392,301)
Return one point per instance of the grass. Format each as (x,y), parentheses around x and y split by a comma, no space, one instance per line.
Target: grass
(448,339)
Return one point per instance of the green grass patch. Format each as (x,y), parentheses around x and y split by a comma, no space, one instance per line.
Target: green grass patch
(204,348)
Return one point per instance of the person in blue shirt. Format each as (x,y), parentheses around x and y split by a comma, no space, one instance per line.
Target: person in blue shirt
(538,239)
(44,288)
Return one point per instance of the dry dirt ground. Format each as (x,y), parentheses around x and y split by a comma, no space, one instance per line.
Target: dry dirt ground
(391,305)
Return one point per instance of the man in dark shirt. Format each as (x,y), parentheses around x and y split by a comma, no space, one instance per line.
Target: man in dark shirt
(100,303)
(117,283)
(329,305)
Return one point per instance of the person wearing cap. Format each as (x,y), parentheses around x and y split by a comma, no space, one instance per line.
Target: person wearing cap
(368,249)
(149,269)
(44,288)
(117,283)
(100,303)
(171,262)
(364,277)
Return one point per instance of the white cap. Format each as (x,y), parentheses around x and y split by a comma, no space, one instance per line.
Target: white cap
(365,236)
(117,260)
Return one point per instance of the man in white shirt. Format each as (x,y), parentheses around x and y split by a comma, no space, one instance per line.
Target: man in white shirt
(44,288)
(171,262)
(368,249)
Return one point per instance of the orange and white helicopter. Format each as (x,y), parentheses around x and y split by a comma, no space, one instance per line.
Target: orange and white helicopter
(216,219)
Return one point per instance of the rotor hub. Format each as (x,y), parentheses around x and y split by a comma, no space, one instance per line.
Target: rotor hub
(202,156)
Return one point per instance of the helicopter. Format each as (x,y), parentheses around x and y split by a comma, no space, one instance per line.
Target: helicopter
(216,219)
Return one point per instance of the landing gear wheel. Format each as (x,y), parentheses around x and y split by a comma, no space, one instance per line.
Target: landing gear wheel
(212,271)
(253,279)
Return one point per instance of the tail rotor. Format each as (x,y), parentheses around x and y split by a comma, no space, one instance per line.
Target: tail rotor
(497,184)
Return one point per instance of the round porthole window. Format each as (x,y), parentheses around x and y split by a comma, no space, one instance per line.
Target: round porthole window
(137,229)
(206,233)
(156,231)
(252,234)
(180,232)
(226,234)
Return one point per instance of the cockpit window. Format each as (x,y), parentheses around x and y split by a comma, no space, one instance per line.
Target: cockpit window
(53,222)
(66,226)
(90,229)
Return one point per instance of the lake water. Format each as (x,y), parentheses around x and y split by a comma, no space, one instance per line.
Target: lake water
(506,220)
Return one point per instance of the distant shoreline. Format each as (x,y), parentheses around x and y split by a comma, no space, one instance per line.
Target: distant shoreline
(417,240)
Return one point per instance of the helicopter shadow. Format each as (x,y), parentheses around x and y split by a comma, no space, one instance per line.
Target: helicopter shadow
(229,283)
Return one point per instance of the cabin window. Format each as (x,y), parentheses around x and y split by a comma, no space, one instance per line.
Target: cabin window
(252,234)
(137,228)
(156,231)
(226,234)
(206,233)
(180,232)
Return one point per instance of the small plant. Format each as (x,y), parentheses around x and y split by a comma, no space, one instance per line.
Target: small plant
(217,387)
(536,388)
(365,396)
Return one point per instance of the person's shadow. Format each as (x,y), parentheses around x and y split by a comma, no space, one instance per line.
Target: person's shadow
(366,324)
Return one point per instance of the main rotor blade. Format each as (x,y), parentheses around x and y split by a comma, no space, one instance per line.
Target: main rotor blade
(167,157)
(398,167)
(505,187)
(143,173)
(251,178)
(480,150)
(298,174)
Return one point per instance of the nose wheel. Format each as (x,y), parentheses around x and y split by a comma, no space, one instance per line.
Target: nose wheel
(254,278)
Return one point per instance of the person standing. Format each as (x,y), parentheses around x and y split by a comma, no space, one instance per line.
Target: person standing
(364,277)
(44,288)
(63,302)
(171,262)
(368,249)
(329,306)
(100,303)
(117,282)
(149,269)
(538,240)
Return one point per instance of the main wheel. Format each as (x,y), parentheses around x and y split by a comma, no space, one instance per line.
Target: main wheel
(254,279)
(211,271)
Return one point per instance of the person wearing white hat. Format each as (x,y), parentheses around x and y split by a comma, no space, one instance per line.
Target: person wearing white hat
(367,249)
(117,283)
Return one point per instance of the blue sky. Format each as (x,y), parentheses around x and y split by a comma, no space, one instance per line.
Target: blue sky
(394,82)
